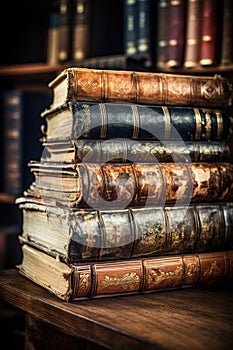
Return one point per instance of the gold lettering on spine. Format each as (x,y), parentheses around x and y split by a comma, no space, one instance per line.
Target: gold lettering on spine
(198,123)
(167,126)
(136,122)
(104,121)
(129,281)
(219,125)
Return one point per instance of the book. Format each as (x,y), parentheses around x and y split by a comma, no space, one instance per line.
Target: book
(192,34)
(227,29)
(92,280)
(161,40)
(96,235)
(53,38)
(130,14)
(107,120)
(175,33)
(144,32)
(21,136)
(65,31)
(119,185)
(124,150)
(81,29)
(210,22)
(85,84)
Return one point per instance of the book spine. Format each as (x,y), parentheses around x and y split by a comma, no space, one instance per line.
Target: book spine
(12,115)
(81,30)
(148,88)
(53,38)
(152,275)
(122,185)
(161,34)
(91,151)
(144,35)
(130,27)
(140,122)
(227,40)
(175,23)
(64,31)
(192,37)
(209,32)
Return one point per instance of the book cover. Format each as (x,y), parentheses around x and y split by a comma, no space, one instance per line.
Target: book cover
(130,15)
(85,84)
(120,185)
(107,120)
(227,30)
(124,150)
(93,280)
(96,235)
(21,136)
(161,40)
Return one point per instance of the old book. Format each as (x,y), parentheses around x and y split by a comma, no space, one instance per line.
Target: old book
(91,120)
(65,31)
(53,38)
(81,29)
(21,136)
(85,84)
(119,185)
(210,32)
(130,15)
(92,280)
(176,30)
(192,34)
(90,234)
(125,150)
(144,32)
(161,40)
(227,30)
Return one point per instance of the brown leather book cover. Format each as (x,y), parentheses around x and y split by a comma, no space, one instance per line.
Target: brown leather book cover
(136,276)
(192,36)
(210,32)
(85,84)
(121,185)
(176,30)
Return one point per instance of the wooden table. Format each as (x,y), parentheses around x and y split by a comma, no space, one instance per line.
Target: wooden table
(200,318)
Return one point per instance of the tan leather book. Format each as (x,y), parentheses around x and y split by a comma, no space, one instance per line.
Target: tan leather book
(85,84)
(136,276)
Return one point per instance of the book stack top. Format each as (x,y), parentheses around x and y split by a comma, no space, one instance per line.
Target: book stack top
(135,167)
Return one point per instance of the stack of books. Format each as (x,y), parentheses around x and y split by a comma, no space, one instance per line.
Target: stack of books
(133,192)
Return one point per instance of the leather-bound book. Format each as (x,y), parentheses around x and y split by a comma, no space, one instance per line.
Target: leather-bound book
(121,185)
(227,30)
(90,120)
(65,31)
(144,32)
(85,84)
(161,40)
(81,29)
(96,235)
(210,32)
(130,15)
(176,31)
(92,280)
(125,150)
(192,36)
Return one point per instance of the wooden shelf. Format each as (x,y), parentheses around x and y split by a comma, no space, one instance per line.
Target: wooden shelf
(197,319)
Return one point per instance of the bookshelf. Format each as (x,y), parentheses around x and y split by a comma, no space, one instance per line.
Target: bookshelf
(23,65)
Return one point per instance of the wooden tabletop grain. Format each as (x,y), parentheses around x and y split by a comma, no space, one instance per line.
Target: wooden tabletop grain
(197,318)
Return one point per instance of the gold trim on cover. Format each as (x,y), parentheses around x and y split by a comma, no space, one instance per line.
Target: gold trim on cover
(104,120)
(167,119)
(136,122)
(208,125)
(219,125)
(198,123)
(125,151)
